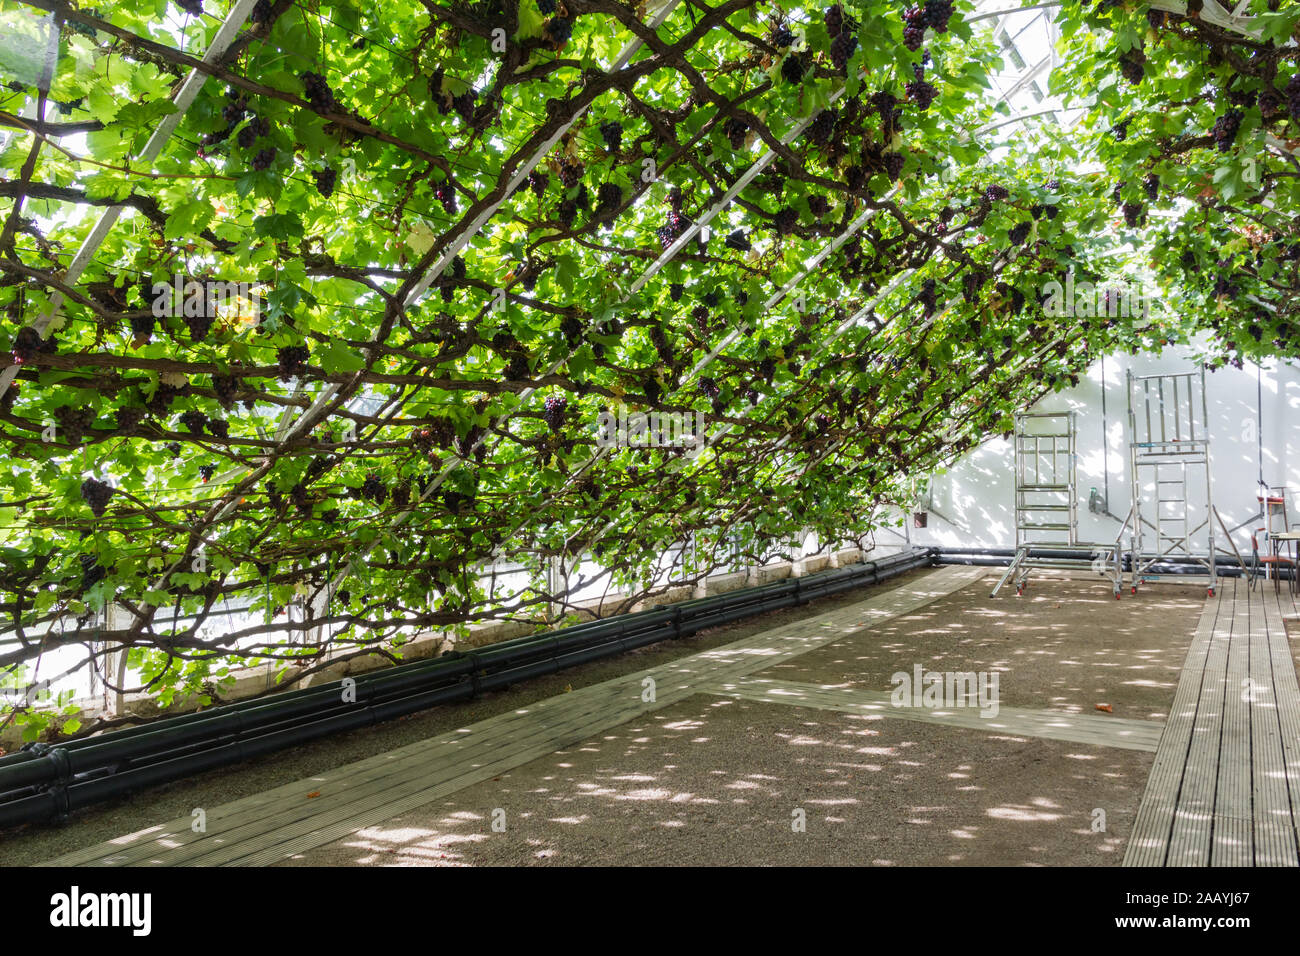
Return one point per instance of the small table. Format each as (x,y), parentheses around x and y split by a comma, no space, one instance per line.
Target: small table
(1289,538)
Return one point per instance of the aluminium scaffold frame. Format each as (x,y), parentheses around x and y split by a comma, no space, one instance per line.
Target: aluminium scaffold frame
(1047,504)
(1168,445)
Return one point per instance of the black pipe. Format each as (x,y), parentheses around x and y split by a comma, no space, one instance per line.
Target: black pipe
(1224,565)
(44,782)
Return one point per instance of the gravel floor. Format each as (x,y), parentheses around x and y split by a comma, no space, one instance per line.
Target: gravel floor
(714,781)
(31,845)
(1064,645)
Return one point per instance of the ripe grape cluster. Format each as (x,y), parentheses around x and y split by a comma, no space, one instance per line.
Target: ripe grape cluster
(1132,65)
(822,127)
(372,489)
(553,410)
(1152,186)
(319,93)
(92,572)
(737,240)
(192,7)
(194,421)
(921,92)
(96,493)
(28,342)
(894,165)
(1293,97)
(735,131)
(292,360)
(1019,233)
(785,220)
(1226,128)
(74,420)
(781,37)
(792,69)
(914,24)
(325,179)
(559,30)
(612,134)
(263,159)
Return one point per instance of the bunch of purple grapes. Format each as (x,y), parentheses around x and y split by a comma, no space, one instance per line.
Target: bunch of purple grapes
(553,410)
(292,360)
(325,180)
(96,493)
(319,93)
(1226,128)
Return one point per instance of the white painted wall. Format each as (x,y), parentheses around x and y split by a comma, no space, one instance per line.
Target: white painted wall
(972,504)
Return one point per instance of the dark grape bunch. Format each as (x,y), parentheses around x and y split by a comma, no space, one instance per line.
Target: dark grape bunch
(937,14)
(842,49)
(1134,214)
(792,69)
(1293,97)
(818,205)
(823,125)
(553,410)
(914,23)
(781,37)
(263,159)
(785,220)
(1019,233)
(735,130)
(1152,186)
(92,572)
(194,421)
(928,297)
(1226,128)
(319,93)
(372,489)
(192,7)
(558,30)
(261,12)
(921,93)
(996,192)
(28,343)
(894,165)
(292,360)
(612,134)
(1132,65)
(325,179)
(96,494)
(547,7)
(737,240)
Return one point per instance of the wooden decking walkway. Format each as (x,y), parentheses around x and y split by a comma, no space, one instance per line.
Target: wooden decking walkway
(1225,786)
(271,826)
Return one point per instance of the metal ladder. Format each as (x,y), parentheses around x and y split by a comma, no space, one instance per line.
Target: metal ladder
(1169,444)
(1047,503)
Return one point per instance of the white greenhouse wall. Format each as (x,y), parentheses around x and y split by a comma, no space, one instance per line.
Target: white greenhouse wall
(972,503)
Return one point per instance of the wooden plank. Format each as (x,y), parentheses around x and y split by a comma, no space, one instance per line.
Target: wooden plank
(1233,838)
(1278,720)
(1189,840)
(1148,844)
(1017,721)
(280,822)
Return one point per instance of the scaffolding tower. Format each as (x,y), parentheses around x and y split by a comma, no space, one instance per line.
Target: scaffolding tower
(1047,504)
(1169,453)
